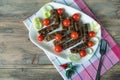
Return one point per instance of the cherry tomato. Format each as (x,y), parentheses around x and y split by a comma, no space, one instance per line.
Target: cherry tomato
(66,23)
(40,38)
(74,35)
(58,37)
(92,34)
(82,53)
(46,22)
(64,66)
(90,43)
(60,11)
(58,48)
(76,17)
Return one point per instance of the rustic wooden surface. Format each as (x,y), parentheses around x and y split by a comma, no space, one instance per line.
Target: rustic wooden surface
(21,60)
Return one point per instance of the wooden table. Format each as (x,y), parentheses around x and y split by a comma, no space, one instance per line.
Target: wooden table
(21,60)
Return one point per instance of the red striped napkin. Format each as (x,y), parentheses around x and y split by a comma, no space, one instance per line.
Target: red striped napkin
(86,71)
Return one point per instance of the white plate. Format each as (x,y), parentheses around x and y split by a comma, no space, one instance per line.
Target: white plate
(48,46)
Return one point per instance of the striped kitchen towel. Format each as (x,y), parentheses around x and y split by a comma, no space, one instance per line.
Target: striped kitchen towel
(86,71)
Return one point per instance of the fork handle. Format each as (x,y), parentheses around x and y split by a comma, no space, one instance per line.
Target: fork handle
(99,69)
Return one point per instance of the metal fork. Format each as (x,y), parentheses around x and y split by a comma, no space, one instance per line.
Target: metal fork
(103,48)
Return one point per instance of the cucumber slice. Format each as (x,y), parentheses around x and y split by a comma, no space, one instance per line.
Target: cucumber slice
(74,57)
(95,40)
(89,50)
(46,11)
(37,24)
(48,7)
(94,26)
(46,14)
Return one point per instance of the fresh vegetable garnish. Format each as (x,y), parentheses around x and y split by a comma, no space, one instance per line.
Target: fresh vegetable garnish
(82,53)
(90,43)
(89,50)
(95,39)
(37,24)
(40,38)
(46,21)
(58,48)
(76,17)
(74,35)
(65,31)
(74,57)
(66,22)
(58,37)
(94,26)
(46,11)
(47,14)
(92,34)
(64,66)
(60,11)
(48,7)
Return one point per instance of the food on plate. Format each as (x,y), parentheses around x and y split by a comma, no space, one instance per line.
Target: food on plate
(66,32)
(52,35)
(74,57)
(76,17)
(66,23)
(58,37)
(47,14)
(90,43)
(74,35)
(64,39)
(55,17)
(46,22)
(82,53)
(71,43)
(92,34)
(60,11)
(85,33)
(77,48)
(89,50)
(95,39)
(40,38)
(48,29)
(37,24)
(93,27)
(46,11)
(58,48)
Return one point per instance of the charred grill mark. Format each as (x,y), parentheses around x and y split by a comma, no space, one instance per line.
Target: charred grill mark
(48,29)
(78,48)
(85,33)
(64,40)
(71,43)
(51,36)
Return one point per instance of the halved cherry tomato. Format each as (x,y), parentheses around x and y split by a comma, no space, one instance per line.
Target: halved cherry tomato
(82,53)
(58,37)
(66,22)
(60,11)
(58,48)
(40,38)
(76,17)
(74,35)
(46,21)
(90,43)
(92,34)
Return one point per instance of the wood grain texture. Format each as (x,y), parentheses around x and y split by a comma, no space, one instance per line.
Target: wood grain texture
(18,60)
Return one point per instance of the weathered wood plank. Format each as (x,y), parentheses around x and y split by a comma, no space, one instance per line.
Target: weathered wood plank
(30,66)
(29,74)
(15,48)
(112,74)
(19,9)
